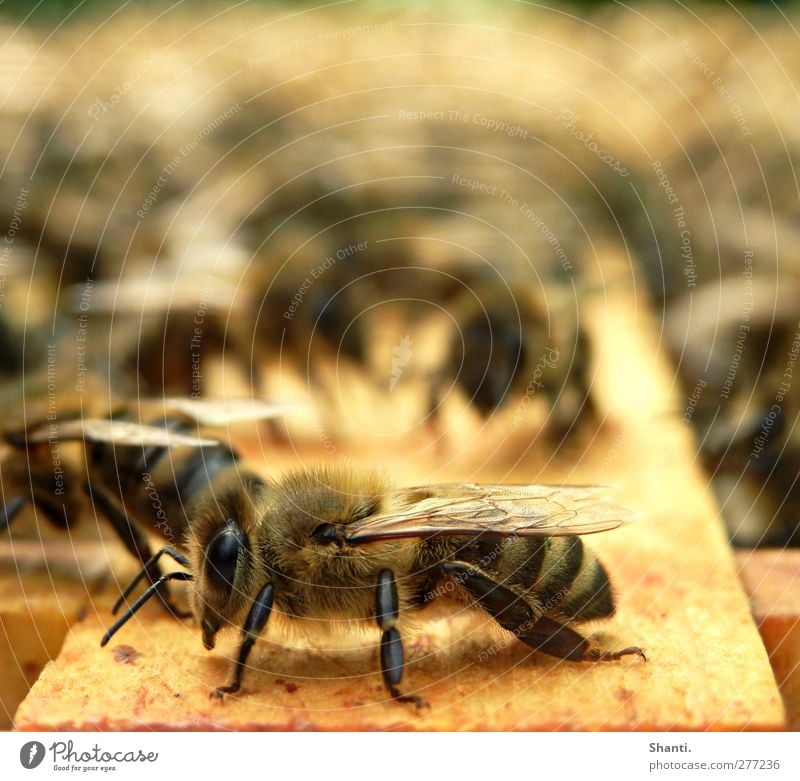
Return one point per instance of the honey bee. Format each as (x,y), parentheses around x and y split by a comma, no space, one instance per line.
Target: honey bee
(333,543)
(511,340)
(139,476)
(735,346)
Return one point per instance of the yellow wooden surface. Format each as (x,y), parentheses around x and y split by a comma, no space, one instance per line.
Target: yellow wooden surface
(772,578)
(676,580)
(43,591)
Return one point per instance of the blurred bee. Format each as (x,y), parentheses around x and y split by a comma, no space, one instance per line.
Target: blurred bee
(332,543)
(139,476)
(508,341)
(251,322)
(736,346)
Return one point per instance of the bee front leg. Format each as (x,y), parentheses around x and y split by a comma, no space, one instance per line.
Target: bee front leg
(387,609)
(253,626)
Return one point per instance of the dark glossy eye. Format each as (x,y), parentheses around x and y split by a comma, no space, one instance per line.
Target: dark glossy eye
(326,534)
(222,555)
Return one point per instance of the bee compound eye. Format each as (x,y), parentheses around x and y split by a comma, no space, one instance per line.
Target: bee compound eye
(223,555)
(326,534)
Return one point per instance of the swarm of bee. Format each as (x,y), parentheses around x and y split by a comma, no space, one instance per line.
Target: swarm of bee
(278,217)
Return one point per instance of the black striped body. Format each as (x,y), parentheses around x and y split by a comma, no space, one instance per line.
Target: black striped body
(557,576)
(136,487)
(157,486)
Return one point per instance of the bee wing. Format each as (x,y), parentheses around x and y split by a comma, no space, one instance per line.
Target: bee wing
(203,412)
(501,510)
(155,294)
(209,411)
(119,432)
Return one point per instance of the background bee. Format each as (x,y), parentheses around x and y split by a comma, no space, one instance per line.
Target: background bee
(331,543)
(512,341)
(736,344)
(139,475)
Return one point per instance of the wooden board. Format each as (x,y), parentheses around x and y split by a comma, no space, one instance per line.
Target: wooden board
(42,594)
(772,578)
(679,598)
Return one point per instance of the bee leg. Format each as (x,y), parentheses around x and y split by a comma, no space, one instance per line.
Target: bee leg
(139,603)
(56,513)
(513,613)
(10,510)
(135,542)
(556,639)
(145,573)
(256,620)
(392,658)
(508,608)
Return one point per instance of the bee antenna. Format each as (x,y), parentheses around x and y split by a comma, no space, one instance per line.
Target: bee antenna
(134,608)
(145,572)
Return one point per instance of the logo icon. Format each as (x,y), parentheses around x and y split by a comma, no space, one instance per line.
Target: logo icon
(31,754)
(401,355)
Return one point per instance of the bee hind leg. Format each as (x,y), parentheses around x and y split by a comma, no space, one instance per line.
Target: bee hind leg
(557,639)
(513,613)
(387,609)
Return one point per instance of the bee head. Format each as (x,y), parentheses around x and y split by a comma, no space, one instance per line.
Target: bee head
(221,542)
(226,554)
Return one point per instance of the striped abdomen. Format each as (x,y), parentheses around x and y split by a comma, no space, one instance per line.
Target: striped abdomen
(559,576)
(157,483)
